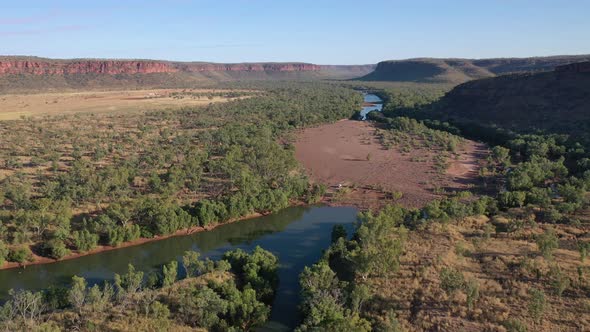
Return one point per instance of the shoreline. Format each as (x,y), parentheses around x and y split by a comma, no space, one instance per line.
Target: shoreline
(40,260)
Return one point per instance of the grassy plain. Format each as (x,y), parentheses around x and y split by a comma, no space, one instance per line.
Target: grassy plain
(15,106)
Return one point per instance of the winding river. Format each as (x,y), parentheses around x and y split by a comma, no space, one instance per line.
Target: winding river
(296,235)
(372,102)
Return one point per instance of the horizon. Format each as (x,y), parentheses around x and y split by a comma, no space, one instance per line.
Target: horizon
(267,31)
(302,62)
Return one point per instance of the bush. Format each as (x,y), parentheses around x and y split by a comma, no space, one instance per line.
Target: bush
(547,243)
(20,255)
(84,240)
(56,249)
(451,280)
(537,304)
(3,252)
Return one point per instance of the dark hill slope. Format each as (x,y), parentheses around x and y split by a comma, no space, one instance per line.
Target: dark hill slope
(455,71)
(554,102)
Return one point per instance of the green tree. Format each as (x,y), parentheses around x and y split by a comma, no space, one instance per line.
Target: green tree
(338,231)
(201,306)
(169,271)
(56,248)
(547,243)
(130,282)
(537,304)
(77,293)
(193,266)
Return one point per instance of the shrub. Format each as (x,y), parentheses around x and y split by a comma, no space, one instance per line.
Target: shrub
(547,243)
(56,248)
(537,304)
(451,280)
(84,240)
(20,255)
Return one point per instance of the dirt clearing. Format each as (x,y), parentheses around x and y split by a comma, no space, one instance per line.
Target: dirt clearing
(348,157)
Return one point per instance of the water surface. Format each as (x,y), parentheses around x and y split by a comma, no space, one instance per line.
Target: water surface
(296,235)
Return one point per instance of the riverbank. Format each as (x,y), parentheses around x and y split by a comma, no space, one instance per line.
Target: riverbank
(38,260)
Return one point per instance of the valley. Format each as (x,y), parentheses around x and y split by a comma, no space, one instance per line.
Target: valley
(421,194)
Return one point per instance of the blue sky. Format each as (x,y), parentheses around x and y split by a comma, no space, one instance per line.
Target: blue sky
(319,31)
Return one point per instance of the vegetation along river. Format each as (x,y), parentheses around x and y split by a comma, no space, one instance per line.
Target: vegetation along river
(296,235)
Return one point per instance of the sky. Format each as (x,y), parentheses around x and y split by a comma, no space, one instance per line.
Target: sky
(315,31)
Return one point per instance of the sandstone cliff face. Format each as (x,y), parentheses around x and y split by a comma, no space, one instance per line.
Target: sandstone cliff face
(83,67)
(17,66)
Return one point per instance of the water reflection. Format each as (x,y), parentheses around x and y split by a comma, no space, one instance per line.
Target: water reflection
(296,235)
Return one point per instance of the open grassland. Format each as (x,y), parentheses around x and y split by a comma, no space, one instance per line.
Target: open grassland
(15,106)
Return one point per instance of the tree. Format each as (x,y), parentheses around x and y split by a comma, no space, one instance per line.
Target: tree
(130,282)
(20,255)
(338,231)
(537,304)
(201,306)
(3,252)
(547,243)
(380,242)
(246,311)
(56,249)
(28,305)
(192,265)
(77,293)
(170,272)
(84,240)
(99,299)
(451,280)
(472,290)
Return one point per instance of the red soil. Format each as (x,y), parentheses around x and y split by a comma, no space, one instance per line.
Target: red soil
(348,153)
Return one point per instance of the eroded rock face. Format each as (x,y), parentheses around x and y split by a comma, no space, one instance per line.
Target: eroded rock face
(17,66)
(83,67)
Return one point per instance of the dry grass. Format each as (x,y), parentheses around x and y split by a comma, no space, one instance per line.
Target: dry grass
(506,267)
(15,106)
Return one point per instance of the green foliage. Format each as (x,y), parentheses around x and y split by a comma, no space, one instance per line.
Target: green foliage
(170,272)
(77,292)
(537,304)
(3,252)
(472,292)
(257,270)
(514,325)
(323,302)
(338,231)
(20,254)
(547,243)
(84,240)
(559,280)
(380,240)
(129,283)
(193,266)
(56,249)
(451,280)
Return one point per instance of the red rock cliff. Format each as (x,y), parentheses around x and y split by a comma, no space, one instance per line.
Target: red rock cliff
(113,67)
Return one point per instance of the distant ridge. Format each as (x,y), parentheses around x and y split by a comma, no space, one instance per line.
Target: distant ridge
(455,71)
(30,73)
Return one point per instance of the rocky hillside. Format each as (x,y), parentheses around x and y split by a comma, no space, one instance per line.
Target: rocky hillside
(430,70)
(25,73)
(556,101)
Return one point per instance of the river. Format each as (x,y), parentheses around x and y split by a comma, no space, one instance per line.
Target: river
(372,103)
(296,235)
